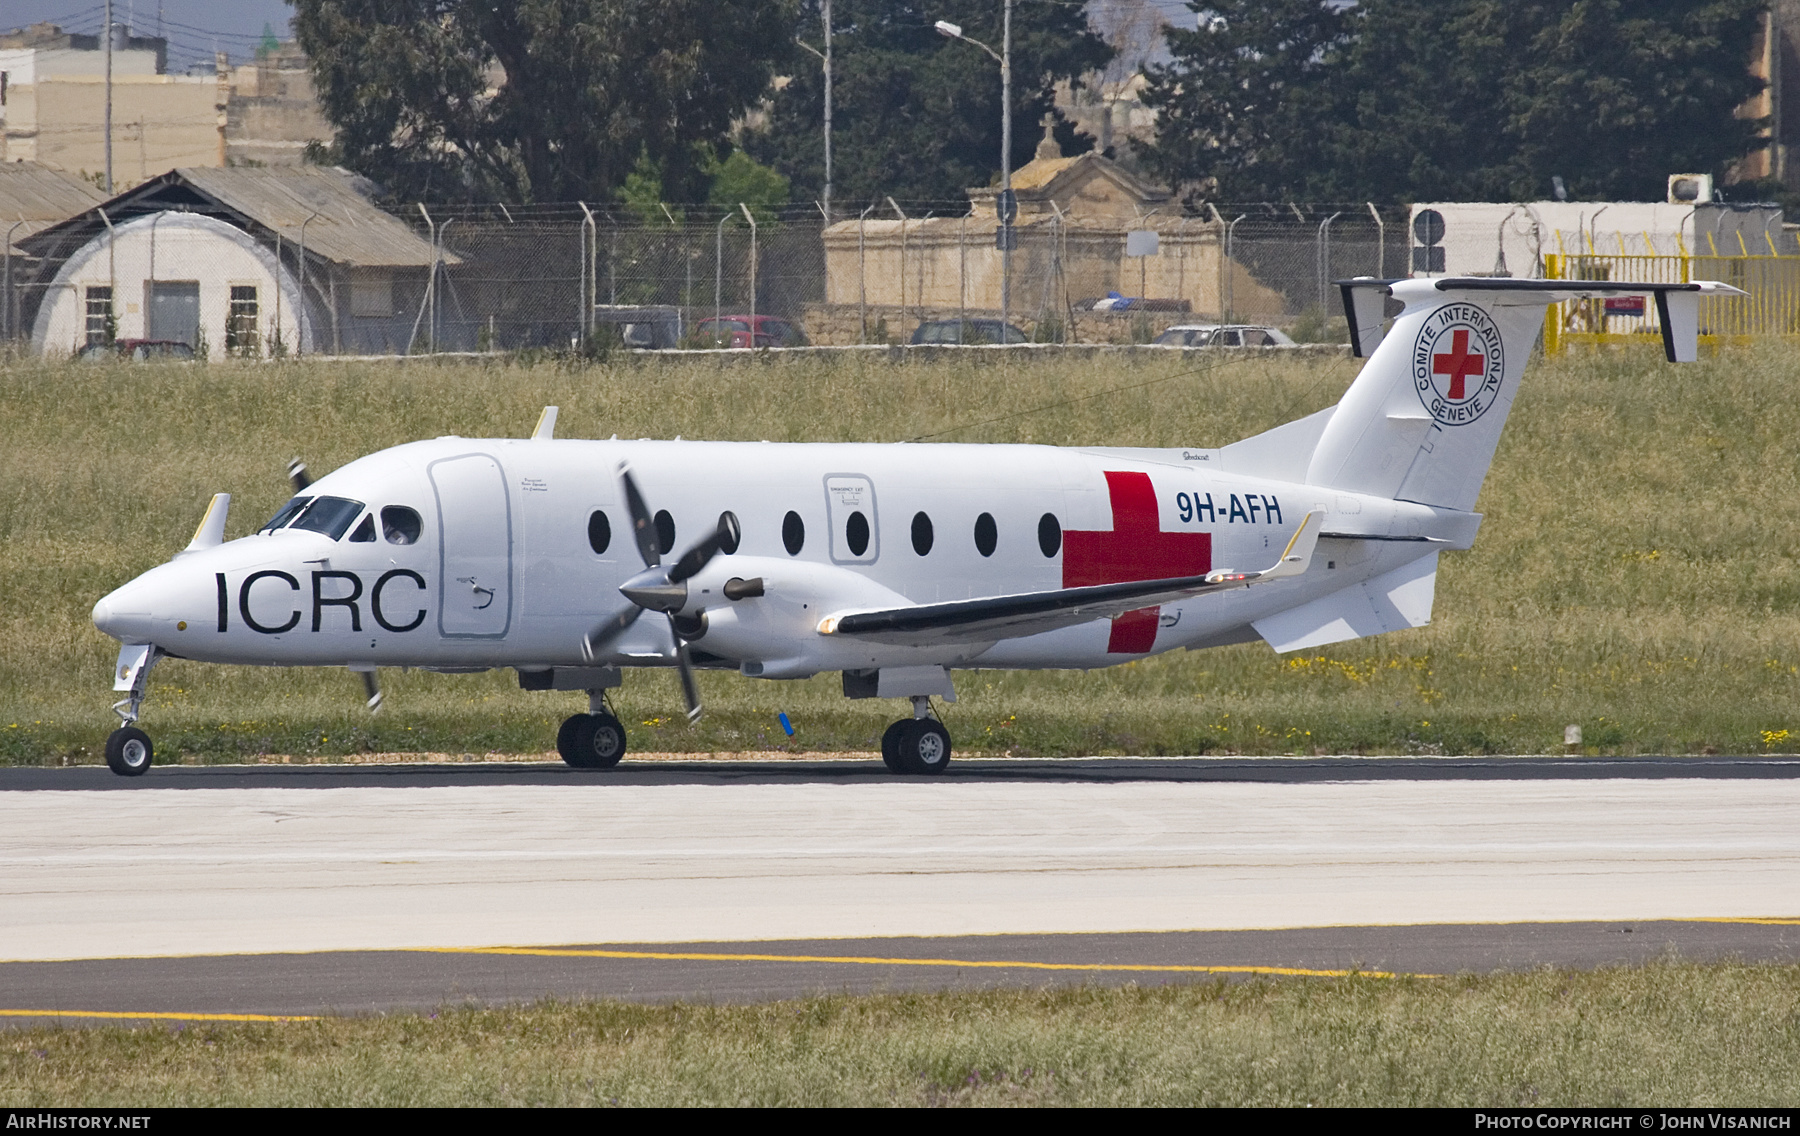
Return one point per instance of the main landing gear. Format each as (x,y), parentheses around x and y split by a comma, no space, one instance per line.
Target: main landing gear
(595,740)
(918,744)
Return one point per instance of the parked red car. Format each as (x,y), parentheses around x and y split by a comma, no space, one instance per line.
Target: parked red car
(734,331)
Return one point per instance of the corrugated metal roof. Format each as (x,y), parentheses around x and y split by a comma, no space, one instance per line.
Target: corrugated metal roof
(41,197)
(348,228)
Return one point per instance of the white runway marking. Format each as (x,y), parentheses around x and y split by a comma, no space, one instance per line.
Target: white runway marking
(150,872)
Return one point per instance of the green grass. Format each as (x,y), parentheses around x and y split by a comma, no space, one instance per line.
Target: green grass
(1668,1035)
(1636,574)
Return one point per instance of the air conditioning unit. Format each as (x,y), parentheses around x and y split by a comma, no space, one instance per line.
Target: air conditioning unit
(1690,189)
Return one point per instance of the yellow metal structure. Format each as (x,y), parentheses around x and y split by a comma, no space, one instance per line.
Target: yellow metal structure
(1771,307)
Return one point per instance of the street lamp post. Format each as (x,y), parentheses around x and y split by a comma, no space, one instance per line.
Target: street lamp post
(825,57)
(1006,206)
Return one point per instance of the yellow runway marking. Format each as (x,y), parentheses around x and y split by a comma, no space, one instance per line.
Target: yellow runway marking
(1722,919)
(158,1015)
(990,964)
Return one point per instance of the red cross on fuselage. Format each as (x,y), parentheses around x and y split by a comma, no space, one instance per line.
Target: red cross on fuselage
(1459,364)
(1135,548)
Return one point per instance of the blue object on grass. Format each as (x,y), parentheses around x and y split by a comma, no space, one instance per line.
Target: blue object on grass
(787,725)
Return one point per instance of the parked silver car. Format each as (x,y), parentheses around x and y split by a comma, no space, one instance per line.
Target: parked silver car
(1223,335)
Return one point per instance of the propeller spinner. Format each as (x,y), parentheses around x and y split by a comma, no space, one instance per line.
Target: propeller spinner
(662,589)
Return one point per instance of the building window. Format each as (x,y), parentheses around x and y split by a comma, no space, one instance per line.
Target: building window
(240,324)
(100,326)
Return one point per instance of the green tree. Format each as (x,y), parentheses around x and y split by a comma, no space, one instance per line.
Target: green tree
(538,100)
(916,115)
(741,179)
(1452,99)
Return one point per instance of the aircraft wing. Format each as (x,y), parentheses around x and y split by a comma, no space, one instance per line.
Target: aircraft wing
(1031,613)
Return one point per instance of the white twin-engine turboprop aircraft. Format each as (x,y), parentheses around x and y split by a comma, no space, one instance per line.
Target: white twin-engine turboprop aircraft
(889,563)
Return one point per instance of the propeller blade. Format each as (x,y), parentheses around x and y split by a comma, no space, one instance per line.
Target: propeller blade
(690,691)
(643,528)
(726,535)
(606,632)
(298,475)
(373,689)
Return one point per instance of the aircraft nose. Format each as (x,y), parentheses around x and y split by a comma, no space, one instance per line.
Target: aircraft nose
(119,616)
(103,615)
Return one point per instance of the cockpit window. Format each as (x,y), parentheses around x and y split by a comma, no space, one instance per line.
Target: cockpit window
(328,515)
(285,514)
(365,532)
(400,525)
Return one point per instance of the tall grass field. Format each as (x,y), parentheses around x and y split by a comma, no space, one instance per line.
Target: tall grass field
(1636,574)
(1666,1035)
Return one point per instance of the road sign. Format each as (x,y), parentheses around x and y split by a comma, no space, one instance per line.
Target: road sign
(1006,238)
(1006,206)
(1141,242)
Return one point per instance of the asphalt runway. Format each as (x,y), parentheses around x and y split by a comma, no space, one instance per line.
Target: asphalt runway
(311,889)
(258,987)
(1105,770)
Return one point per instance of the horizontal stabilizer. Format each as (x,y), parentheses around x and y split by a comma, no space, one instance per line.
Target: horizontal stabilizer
(1392,601)
(1677,303)
(1031,613)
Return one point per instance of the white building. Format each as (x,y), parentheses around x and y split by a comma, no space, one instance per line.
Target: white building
(1497,238)
(176,276)
(245,262)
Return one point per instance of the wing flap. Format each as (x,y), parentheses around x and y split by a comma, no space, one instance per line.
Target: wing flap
(1032,613)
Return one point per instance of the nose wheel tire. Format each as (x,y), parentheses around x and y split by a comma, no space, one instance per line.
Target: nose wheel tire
(591,741)
(915,746)
(129,752)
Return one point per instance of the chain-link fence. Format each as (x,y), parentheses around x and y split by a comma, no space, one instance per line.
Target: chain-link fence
(560,276)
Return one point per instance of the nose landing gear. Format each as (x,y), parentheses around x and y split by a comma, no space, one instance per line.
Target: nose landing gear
(128,749)
(916,745)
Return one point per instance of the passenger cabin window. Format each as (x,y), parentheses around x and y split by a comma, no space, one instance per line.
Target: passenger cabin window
(1049,534)
(365,532)
(665,531)
(400,525)
(328,515)
(599,532)
(793,533)
(728,521)
(921,533)
(987,534)
(856,533)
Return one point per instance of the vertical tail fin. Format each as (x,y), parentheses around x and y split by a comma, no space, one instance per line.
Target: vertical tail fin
(1422,420)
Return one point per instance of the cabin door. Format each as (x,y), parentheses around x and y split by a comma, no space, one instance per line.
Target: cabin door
(475,547)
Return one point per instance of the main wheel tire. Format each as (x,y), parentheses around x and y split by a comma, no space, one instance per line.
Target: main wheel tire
(591,741)
(129,752)
(890,746)
(923,746)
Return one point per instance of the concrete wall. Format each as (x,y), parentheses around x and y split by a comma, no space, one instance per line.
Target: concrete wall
(160,122)
(950,263)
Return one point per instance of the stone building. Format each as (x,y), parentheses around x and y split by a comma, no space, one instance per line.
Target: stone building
(53,107)
(1073,220)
